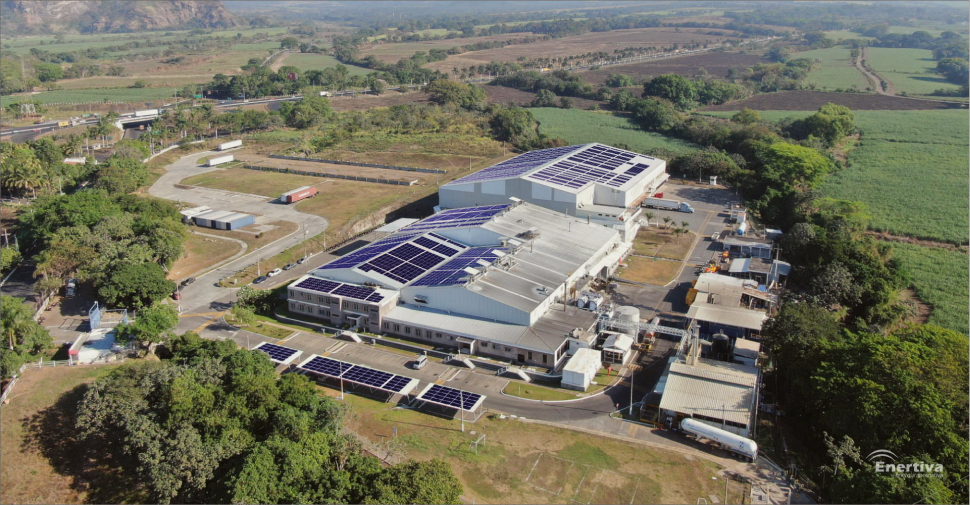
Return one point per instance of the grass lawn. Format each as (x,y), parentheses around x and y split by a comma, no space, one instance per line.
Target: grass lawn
(577,126)
(313,61)
(650,271)
(835,71)
(200,253)
(264,329)
(40,460)
(95,95)
(579,466)
(939,277)
(909,70)
(662,243)
(533,392)
(244,180)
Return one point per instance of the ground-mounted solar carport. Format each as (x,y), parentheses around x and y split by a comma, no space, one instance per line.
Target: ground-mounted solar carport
(358,378)
(451,402)
(278,354)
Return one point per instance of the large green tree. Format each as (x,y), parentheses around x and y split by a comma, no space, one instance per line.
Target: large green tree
(135,285)
(673,87)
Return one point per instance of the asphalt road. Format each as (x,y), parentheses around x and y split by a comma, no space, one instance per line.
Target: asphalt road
(204,295)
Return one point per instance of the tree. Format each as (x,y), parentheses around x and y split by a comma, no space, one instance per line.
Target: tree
(289,43)
(622,100)
(242,315)
(8,258)
(465,96)
(746,116)
(429,482)
(135,285)
(377,86)
(795,165)
(649,216)
(619,81)
(544,98)
(657,115)
(565,103)
(835,285)
(22,336)
(48,72)
(667,221)
(673,87)
(311,110)
(153,325)
(140,83)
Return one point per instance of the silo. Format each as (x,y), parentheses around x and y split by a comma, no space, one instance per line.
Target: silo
(628,314)
(721,346)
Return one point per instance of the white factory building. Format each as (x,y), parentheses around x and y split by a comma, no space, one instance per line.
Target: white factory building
(489,280)
(592,181)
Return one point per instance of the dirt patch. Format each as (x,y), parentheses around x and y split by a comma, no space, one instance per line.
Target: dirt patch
(391,98)
(254,240)
(649,270)
(920,310)
(201,252)
(390,52)
(715,63)
(581,44)
(812,100)
(881,235)
(503,95)
(381,174)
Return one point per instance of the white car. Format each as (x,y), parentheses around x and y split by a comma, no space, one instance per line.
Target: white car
(274,273)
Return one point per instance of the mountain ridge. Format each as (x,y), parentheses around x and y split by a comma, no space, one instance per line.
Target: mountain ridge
(20,17)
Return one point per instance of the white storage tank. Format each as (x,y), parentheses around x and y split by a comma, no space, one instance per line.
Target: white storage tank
(728,440)
(627,314)
(582,302)
(220,160)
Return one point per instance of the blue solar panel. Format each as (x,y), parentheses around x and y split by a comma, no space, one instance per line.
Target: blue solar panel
(356,292)
(327,366)
(367,252)
(451,397)
(518,165)
(439,237)
(597,164)
(452,271)
(276,353)
(427,260)
(406,251)
(426,243)
(397,383)
(455,218)
(367,376)
(320,285)
(447,251)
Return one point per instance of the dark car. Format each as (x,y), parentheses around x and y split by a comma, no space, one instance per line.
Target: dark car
(289,266)
(188,281)
(260,279)
(301,261)
(176,296)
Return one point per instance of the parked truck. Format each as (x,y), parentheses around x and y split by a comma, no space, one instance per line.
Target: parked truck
(146,112)
(63,124)
(220,160)
(298,194)
(326,93)
(660,203)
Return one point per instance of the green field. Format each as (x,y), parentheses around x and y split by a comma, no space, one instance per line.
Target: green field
(312,61)
(836,70)
(939,277)
(95,95)
(577,126)
(909,70)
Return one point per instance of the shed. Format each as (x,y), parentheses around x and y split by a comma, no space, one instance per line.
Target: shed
(223,220)
(581,369)
(617,347)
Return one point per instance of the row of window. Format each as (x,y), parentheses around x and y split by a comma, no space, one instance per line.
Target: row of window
(428,334)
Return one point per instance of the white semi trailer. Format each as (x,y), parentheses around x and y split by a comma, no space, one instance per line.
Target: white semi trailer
(220,160)
(229,145)
(660,203)
(146,112)
(730,441)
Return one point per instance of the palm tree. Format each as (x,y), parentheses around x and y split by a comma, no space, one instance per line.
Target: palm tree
(667,221)
(685,224)
(649,216)
(71,145)
(16,323)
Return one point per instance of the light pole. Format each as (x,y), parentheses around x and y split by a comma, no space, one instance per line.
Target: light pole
(304,239)
(341,379)
(461,407)
(258,272)
(725,487)
(632,375)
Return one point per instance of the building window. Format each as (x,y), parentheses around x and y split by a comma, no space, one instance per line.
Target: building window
(530,355)
(397,327)
(544,356)
(387,326)
(321,299)
(508,349)
(437,335)
(407,329)
(292,306)
(451,337)
(417,332)
(292,294)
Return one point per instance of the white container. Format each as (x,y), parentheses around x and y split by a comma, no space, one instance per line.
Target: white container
(730,441)
(230,145)
(146,112)
(220,160)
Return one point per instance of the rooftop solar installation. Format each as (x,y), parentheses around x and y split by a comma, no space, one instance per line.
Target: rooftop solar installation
(340,289)
(453,271)
(455,218)
(319,285)
(277,353)
(451,397)
(518,165)
(359,374)
(597,164)
(369,251)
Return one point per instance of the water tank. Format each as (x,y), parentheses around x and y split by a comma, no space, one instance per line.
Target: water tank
(593,305)
(721,345)
(628,314)
(582,301)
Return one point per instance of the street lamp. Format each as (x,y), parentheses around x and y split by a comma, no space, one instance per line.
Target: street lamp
(304,239)
(258,272)
(725,488)
(341,379)
(461,407)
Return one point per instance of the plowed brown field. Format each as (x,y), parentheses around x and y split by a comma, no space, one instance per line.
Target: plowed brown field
(811,100)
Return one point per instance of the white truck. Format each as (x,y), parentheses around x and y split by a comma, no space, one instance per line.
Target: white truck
(326,93)
(146,112)
(229,145)
(660,203)
(220,160)
(730,441)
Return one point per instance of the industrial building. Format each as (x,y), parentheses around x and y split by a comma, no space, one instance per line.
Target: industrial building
(219,219)
(592,181)
(488,280)
(724,304)
(718,393)
(581,369)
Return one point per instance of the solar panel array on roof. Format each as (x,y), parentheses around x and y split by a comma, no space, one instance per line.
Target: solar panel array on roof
(276,353)
(453,271)
(369,251)
(340,289)
(357,374)
(408,261)
(517,166)
(597,164)
(451,397)
(455,218)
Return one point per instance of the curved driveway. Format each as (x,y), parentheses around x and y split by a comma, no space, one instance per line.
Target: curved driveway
(202,295)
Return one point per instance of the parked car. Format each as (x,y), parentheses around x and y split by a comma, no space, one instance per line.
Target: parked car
(188,281)
(420,362)
(715,236)
(290,266)
(71,288)
(176,296)
(301,261)
(274,272)
(260,279)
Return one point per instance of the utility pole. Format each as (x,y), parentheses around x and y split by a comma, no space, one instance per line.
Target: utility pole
(461,407)
(258,272)
(304,239)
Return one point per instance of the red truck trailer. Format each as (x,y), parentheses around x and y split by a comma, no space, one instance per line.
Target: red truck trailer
(298,194)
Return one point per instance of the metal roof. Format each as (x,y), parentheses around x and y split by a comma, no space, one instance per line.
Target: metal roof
(726,315)
(397,224)
(748,348)
(583,360)
(712,388)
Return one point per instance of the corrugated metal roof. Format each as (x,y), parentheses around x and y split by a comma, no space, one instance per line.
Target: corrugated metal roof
(583,360)
(711,388)
(746,347)
(730,316)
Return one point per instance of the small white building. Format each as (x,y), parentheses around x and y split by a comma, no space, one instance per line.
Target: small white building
(617,348)
(746,351)
(581,369)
